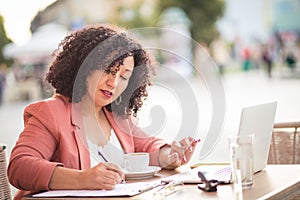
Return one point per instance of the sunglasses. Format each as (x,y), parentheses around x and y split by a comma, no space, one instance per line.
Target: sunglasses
(207,185)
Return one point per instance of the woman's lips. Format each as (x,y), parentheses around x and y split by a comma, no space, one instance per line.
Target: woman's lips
(106,93)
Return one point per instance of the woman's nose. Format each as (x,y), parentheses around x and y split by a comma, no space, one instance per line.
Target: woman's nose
(113,80)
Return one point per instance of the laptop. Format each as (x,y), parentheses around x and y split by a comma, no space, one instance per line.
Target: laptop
(257,120)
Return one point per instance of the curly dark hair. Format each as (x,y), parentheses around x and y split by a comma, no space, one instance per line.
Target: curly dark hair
(101,47)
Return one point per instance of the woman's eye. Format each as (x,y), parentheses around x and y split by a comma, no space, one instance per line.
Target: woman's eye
(124,78)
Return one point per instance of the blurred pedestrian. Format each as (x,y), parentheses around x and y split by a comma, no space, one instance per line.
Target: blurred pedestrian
(3,69)
(246,55)
(220,53)
(267,58)
(291,54)
(291,60)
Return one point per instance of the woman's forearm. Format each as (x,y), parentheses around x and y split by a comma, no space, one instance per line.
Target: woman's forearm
(65,178)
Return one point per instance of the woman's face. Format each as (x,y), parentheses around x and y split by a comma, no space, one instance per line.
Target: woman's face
(104,87)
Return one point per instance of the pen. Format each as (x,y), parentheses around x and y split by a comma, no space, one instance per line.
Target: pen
(172,184)
(150,187)
(168,189)
(103,157)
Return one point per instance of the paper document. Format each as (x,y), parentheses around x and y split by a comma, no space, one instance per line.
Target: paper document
(127,189)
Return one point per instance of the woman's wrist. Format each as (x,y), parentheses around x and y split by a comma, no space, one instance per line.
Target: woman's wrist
(80,179)
(164,153)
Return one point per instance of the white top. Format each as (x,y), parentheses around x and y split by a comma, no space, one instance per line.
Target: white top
(112,151)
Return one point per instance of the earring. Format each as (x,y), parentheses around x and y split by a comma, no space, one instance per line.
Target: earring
(118,100)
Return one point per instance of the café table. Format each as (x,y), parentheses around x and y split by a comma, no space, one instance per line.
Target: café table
(274,182)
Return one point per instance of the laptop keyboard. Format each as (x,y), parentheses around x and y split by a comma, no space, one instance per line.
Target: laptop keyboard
(222,174)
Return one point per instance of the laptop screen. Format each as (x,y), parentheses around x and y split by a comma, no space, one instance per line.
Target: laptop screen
(259,120)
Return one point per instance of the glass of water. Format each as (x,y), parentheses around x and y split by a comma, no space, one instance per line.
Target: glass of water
(241,157)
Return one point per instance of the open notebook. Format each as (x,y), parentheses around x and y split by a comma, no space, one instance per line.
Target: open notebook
(121,190)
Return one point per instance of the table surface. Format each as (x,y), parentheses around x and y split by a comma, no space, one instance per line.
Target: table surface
(274,182)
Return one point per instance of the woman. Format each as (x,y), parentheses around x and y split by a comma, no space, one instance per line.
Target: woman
(100,76)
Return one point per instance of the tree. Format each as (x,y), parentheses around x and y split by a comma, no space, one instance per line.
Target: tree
(132,16)
(3,41)
(202,13)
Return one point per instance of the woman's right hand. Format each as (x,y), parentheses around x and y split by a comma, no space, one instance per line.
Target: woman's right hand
(102,176)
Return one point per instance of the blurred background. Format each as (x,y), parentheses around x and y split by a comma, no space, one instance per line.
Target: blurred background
(254,46)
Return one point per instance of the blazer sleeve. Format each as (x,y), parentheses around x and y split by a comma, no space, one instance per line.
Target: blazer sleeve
(30,166)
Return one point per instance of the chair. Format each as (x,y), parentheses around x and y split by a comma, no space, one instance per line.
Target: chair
(285,144)
(5,191)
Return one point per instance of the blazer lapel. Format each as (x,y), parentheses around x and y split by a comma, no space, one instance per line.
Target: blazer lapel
(80,136)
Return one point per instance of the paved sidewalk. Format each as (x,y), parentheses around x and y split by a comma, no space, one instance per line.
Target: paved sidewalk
(254,87)
(241,89)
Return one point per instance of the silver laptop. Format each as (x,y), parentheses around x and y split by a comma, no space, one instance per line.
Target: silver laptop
(259,120)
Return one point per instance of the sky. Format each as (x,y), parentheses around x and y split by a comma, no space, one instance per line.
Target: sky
(18,15)
(243,19)
(246,19)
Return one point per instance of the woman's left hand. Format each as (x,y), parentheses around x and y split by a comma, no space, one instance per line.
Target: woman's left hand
(180,152)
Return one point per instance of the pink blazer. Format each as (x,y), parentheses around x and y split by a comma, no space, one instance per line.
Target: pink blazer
(53,135)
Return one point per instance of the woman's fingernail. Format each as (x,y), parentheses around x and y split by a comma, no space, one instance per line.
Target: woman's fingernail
(196,141)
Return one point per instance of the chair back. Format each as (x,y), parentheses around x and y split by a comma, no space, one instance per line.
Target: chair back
(5,190)
(285,145)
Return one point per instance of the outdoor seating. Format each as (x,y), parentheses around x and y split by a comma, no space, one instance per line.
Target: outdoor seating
(285,148)
(5,191)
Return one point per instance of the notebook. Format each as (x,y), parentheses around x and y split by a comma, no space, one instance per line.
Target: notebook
(257,120)
(121,190)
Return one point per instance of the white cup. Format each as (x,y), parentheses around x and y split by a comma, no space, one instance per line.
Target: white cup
(136,162)
(241,154)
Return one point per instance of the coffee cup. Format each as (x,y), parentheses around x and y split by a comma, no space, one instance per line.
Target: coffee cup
(136,162)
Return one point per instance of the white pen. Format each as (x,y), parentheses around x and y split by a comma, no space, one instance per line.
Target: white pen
(168,189)
(172,184)
(151,186)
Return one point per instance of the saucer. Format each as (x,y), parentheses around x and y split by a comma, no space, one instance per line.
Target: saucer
(148,173)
